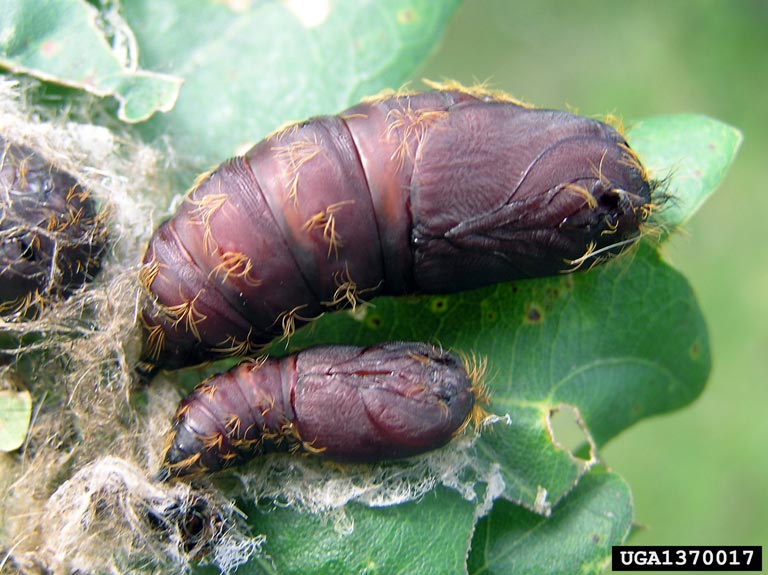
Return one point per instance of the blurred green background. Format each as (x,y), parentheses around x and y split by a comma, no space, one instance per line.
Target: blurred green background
(699,476)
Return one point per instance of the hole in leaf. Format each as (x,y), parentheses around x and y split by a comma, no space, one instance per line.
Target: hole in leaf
(568,432)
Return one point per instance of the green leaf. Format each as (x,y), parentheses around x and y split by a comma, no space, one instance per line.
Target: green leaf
(616,344)
(15,413)
(690,155)
(249,67)
(619,343)
(430,535)
(48,39)
(577,538)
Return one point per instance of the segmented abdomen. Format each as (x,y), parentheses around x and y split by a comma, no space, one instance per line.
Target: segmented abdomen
(435,192)
(52,236)
(347,403)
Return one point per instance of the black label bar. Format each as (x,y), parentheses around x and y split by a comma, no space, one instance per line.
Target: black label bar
(687,558)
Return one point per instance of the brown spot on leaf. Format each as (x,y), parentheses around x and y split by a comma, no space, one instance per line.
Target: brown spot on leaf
(534,314)
(695,350)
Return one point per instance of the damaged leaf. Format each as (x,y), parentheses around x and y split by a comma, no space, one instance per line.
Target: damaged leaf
(48,38)
(619,343)
(601,343)
(596,515)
